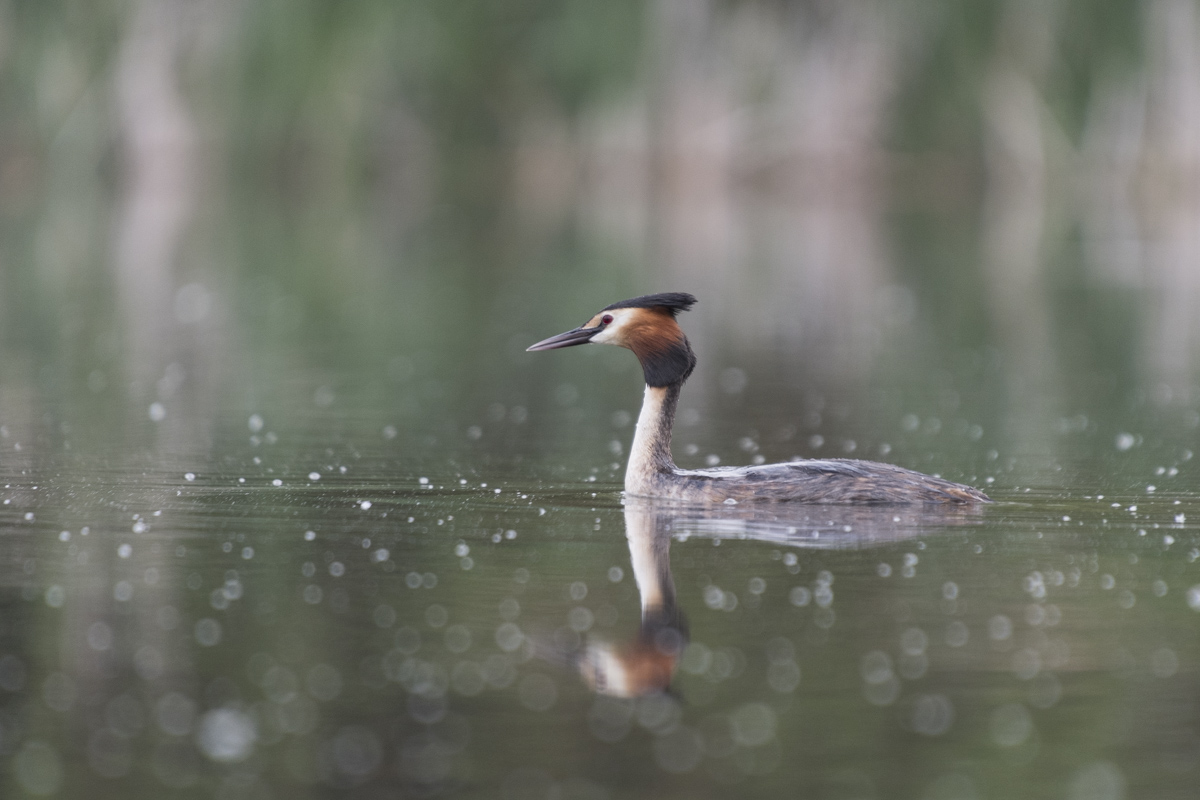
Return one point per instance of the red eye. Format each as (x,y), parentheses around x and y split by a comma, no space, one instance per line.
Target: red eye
(607,318)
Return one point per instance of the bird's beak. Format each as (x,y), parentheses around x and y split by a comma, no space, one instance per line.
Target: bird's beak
(568,339)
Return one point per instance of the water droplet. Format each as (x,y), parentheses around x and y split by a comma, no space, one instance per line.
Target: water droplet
(1099,781)
(933,714)
(1193,597)
(226,735)
(208,632)
(55,596)
(175,714)
(1010,725)
(39,768)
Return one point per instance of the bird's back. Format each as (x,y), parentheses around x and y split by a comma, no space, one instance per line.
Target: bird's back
(835,480)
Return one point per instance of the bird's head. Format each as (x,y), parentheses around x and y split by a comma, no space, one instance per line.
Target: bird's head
(646,325)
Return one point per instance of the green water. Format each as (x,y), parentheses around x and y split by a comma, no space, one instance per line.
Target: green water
(287,511)
(320,598)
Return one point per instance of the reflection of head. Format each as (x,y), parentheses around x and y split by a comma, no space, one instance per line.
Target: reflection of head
(647,663)
(628,670)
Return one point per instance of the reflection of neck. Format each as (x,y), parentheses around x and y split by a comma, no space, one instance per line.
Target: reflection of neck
(650,454)
(646,663)
(650,556)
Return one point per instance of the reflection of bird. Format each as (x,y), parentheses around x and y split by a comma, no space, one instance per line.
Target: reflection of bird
(647,663)
(646,325)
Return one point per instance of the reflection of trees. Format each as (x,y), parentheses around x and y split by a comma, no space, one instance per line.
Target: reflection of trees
(1170,155)
(753,164)
(400,168)
(1015,213)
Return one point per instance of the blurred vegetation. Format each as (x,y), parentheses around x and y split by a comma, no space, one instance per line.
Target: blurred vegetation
(312,88)
(322,114)
(374,206)
(1091,40)
(356,194)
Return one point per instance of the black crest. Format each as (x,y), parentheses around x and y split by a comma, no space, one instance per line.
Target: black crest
(671,302)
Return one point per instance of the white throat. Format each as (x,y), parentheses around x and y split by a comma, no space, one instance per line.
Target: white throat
(650,454)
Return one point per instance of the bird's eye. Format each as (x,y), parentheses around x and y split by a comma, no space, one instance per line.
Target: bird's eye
(607,318)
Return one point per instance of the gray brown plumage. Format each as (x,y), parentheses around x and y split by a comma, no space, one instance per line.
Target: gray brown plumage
(646,325)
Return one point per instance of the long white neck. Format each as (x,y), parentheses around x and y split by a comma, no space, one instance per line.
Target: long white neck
(650,454)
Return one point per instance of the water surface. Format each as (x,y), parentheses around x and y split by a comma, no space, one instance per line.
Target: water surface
(340,606)
(286,509)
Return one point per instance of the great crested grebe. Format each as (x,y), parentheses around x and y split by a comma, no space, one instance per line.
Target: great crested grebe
(646,325)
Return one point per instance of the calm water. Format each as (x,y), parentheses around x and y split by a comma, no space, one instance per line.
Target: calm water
(337,605)
(287,511)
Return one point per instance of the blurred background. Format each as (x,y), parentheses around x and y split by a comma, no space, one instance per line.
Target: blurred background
(268,269)
(991,206)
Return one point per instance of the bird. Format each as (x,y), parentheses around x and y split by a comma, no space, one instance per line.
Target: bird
(648,326)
